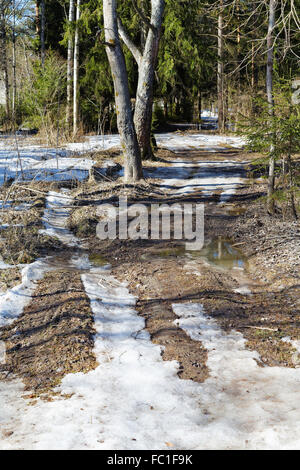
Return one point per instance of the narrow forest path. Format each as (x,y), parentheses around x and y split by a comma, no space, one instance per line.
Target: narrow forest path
(150,341)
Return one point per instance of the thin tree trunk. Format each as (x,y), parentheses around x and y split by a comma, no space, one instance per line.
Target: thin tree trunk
(43,21)
(252,67)
(238,40)
(220,78)
(37,19)
(129,143)
(69,68)
(166,112)
(253,79)
(291,191)
(4,64)
(14,65)
(143,25)
(269,86)
(199,109)
(76,71)
(144,95)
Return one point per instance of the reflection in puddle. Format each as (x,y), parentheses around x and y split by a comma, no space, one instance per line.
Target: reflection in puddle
(77,261)
(162,253)
(97,260)
(218,252)
(232,209)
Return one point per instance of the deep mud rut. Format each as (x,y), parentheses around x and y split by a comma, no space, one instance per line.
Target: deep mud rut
(55,334)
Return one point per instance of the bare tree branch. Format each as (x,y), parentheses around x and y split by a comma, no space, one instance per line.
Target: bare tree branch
(124,35)
(143,16)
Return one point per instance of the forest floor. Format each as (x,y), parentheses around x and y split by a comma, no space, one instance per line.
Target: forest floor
(99,333)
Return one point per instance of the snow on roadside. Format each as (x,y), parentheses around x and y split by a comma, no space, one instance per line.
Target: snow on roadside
(208,142)
(4,265)
(13,301)
(247,406)
(50,164)
(57,211)
(56,164)
(186,177)
(44,170)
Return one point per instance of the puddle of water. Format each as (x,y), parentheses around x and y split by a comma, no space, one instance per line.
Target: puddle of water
(165,253)
(218,252)
(97,260)
(234,210)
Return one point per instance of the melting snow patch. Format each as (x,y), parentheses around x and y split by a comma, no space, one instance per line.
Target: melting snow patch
(132,400)
(186,177)
(296,344)
(244,290)
(248,406)
(213,143)
(13,302)
(135,400)
(58,207)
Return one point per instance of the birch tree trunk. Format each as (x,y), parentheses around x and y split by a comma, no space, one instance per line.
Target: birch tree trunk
(37,18)
(143,6)
(76,71)
(14,65)
(43,21)
(270,97)
(220,77)
(144,94)
(129,143)
(4,61)
(69,68)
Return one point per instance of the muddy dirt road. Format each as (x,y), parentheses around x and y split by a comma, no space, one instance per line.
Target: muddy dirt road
(140,344)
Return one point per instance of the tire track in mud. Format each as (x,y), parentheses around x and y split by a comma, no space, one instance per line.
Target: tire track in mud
(54,334)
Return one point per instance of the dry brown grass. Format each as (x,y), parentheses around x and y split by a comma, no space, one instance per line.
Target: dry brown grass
(24,243)
(9,278)
(83,221)
(20,245)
